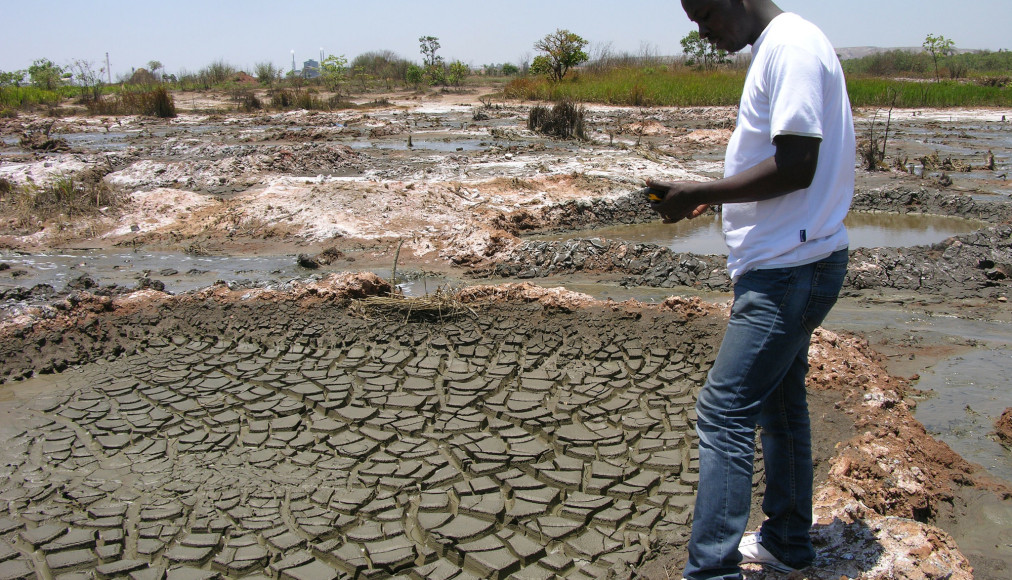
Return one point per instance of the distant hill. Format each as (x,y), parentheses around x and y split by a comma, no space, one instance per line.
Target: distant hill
(863,51)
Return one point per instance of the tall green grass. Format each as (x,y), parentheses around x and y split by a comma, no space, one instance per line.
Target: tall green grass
(641,87)
(28,97)
(878,92)
(680,87)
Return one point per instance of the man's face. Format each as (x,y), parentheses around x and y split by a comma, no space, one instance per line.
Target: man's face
(725,23)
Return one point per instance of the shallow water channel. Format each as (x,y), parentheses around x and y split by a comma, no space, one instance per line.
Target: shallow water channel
(968,392)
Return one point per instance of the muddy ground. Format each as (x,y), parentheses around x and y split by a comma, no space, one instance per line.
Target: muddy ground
(449,188)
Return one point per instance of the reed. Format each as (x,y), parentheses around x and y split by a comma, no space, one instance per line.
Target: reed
(681,87)
(878,92)
(641,87)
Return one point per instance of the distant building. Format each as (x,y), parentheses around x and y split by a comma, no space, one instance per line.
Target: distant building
(310,69)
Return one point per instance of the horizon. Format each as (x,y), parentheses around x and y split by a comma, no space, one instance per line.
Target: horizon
(243,34)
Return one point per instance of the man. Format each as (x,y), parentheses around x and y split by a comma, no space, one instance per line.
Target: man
(789,180)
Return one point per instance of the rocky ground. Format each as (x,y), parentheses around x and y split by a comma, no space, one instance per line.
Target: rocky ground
(318,429)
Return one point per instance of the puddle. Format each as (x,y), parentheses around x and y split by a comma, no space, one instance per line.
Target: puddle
(182,272)
(98,141)
(424,144)
(867,230)
(179,272)
(970,393)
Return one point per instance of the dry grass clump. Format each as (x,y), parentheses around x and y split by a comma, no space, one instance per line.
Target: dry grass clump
(29,205)
(442,305)
(564,120)
(152,103)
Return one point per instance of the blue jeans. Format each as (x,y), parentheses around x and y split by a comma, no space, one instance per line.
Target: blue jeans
(758,377)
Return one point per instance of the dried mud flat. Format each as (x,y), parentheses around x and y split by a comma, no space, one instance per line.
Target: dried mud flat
(511,432)
(311,430)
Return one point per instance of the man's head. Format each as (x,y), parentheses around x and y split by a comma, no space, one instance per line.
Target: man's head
(730,25)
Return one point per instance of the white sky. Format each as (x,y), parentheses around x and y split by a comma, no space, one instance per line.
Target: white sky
(190,34)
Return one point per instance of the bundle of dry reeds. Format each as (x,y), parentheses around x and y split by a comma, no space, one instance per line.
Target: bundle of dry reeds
(430,308)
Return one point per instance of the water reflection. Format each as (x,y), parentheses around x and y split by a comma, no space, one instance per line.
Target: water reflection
(867,230)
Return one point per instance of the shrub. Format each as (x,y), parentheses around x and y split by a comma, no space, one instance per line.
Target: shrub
(162,104)
(414,75)
(216,73)
(246,99)
(381,64)
(458,71)
(298,99)
(308,100)
(281,99)
(266,73)
(154,103)
(564,120)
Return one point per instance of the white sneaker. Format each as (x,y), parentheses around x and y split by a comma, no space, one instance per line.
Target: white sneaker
(752,552)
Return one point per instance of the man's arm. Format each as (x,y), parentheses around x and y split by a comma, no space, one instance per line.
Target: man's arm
(791,168)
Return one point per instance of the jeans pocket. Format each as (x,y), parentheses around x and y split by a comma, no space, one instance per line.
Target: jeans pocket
(827,280)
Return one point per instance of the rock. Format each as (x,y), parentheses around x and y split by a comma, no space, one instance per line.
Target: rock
(324,258)
(82,282)
(307,261)
(1003,428)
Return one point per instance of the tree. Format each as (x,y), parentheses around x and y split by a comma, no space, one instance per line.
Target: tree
(458,72)
(414,75)
(563,50)
(12,79)
(154,66)
(702,53)
(938,46)
(429,46)
(44,74)
(541,66)
(433,63)
(333,70)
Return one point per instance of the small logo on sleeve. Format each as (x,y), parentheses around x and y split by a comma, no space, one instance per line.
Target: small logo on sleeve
(804,236)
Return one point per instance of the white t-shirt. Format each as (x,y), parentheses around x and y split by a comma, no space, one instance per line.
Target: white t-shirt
(794,86)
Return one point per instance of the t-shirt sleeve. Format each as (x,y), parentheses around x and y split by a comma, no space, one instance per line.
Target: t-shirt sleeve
(796,80)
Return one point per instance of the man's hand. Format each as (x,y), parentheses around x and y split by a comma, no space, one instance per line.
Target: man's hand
(680,200)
